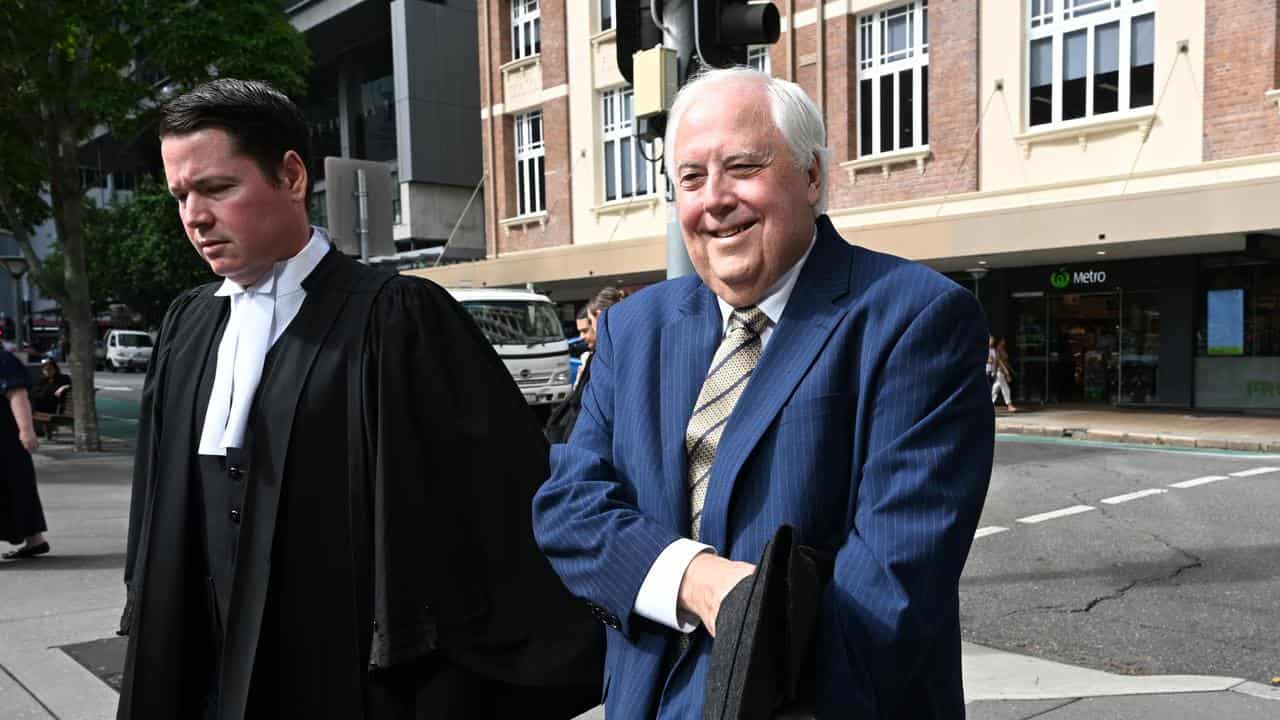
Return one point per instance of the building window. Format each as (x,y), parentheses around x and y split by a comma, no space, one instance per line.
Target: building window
(526,29)
(893,79)
(626,171)
(531,157)
(1237,362)
(606,15)
(758,58)
(1088,58)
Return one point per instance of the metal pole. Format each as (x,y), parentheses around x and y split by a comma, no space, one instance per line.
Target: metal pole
(17,311)
(362,201)
(678,263)
(677,32)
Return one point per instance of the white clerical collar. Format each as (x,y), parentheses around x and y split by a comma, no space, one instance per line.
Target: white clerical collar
(286,276)
(776,298)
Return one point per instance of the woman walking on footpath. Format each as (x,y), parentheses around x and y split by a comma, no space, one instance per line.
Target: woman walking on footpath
(21,516)
(1003,375)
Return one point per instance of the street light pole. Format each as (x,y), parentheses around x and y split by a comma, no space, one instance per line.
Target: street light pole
(17,266)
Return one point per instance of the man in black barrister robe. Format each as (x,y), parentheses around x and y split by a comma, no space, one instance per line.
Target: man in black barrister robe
(331,503)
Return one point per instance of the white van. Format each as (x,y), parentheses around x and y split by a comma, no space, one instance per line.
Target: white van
(525,331)
(127,350)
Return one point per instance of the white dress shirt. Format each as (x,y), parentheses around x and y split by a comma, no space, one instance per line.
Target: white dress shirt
(658,598)
(260,313)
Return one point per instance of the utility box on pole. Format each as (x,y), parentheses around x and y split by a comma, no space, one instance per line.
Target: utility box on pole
(345,196)
(656,81)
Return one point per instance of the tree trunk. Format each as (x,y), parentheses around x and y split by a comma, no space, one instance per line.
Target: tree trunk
(68,213)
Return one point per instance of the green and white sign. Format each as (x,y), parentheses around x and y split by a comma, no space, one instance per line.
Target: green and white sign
(1063,279)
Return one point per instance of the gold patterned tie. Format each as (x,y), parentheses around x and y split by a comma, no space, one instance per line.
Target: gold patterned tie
(731,368)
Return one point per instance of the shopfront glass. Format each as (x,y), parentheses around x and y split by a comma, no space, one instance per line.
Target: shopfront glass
(1086,347)
(1028,352)
(1139,347)
(1237,361)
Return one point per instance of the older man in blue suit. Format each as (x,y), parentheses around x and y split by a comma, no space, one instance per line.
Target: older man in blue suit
(795,380)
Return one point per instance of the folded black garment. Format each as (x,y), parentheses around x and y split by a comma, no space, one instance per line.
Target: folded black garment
(762,661)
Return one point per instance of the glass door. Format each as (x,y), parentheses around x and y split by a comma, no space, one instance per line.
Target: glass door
(1139,347)
(1083,347)
(1028,350)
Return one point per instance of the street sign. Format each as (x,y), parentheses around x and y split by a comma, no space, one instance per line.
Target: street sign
(344,200)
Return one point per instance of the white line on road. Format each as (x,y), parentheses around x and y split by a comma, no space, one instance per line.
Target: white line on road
(113,388)
(1116,500)
(991,530)
(1052,514)
(1198,481)
(1255,471)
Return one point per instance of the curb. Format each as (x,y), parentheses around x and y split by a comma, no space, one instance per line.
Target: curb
(1258,690)
(995,675)
(1139,438)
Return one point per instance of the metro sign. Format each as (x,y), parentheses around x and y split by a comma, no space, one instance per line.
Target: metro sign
(1061,279)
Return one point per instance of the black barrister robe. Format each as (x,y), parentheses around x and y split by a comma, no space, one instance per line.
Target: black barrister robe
(384,380)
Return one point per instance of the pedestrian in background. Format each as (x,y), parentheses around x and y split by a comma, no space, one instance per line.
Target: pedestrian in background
(331,503)
(1003,375)
(45,396)
(580,348)
(991,358)
(21,515)
(560,424)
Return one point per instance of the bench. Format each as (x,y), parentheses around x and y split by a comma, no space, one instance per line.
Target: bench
(47,423)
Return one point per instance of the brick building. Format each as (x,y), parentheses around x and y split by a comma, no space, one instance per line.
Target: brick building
(1101,173)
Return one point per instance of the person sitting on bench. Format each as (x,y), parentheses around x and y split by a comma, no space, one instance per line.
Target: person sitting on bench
(47,394)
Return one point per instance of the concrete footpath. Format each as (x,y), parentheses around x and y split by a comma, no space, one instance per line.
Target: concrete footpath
(1168,428)
(59,657)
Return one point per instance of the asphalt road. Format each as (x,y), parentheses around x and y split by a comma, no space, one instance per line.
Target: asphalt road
(1182,580)
(119,397)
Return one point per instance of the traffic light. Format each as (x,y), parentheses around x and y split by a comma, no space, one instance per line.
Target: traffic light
(635,32)
(724,29)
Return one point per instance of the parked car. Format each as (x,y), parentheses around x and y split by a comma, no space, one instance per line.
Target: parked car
(127,350)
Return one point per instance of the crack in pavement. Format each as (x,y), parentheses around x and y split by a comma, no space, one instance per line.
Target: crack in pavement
(1193,562)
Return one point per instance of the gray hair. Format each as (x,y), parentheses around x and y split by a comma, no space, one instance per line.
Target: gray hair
(793,113)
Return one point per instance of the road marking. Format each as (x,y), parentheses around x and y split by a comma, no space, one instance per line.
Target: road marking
(1255,471)
(1198,481)
(1052,514)
(113,388)
(1133,496)
(992,530)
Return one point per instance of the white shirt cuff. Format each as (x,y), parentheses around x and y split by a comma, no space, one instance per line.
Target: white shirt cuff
(658,599)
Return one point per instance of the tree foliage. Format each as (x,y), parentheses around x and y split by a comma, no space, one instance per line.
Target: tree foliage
(73,69)
(137,254)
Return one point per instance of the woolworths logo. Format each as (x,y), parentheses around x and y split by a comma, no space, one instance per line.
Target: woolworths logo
(1062,278)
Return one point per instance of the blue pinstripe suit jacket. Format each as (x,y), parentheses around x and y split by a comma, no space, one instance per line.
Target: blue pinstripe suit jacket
(867,425)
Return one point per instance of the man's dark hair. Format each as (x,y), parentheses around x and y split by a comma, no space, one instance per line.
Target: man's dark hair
(263,122)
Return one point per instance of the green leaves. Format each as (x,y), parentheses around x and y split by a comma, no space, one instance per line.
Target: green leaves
(139,255)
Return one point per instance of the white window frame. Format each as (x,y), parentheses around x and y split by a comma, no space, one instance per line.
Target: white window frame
(617,127)
(526,24)
(758,58)
(873,63)
(611,7)
(1055,19)
(530,174)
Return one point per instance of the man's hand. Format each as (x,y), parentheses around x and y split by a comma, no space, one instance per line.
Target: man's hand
(706,581)
(28,440)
